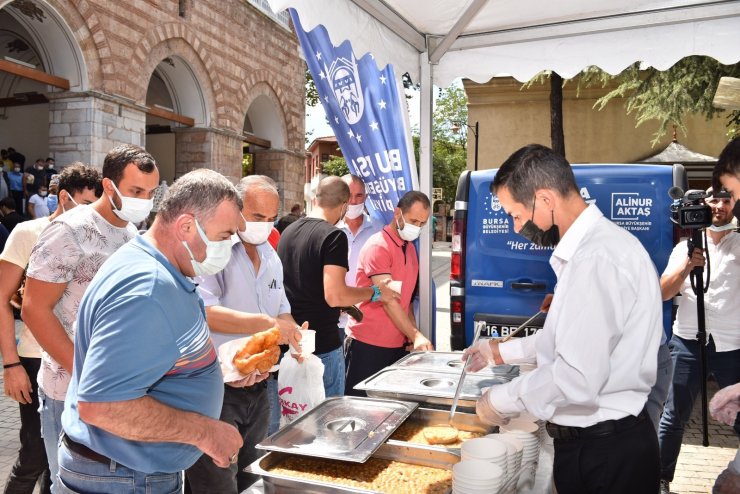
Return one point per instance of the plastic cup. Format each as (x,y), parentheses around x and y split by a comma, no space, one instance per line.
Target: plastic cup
(308,341)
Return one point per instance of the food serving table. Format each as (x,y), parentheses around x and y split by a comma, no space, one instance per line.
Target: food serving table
(350,431)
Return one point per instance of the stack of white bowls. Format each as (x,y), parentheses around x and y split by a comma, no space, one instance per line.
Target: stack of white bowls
(485,449)
(528,433)
(476,477)
(540,423)
(514,453)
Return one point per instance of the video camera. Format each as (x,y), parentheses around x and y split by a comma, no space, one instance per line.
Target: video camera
(688,209)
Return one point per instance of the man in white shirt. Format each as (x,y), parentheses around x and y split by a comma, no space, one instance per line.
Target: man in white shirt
(726,175)
(596,355)
(66,257)
(358,226)
(78,184)
(246,297)
(722,318)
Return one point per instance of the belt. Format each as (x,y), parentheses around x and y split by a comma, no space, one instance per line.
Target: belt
(602,429)
(83,450)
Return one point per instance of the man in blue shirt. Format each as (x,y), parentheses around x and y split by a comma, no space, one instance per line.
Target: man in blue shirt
(146,390)
(246,297)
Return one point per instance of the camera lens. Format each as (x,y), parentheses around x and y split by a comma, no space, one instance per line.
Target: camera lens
(695,216)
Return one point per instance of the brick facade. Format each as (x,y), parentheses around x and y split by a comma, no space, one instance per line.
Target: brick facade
(235,52)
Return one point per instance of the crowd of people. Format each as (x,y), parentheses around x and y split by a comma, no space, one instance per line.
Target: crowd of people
(117,370)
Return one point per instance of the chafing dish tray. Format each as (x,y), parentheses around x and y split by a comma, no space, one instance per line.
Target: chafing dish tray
(451,362)
(279,482)
(411,431)
(347,428)
(427,386)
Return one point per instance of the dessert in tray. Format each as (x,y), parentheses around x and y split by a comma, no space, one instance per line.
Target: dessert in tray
(393,477)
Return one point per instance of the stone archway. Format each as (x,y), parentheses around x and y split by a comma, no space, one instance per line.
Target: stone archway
(264,117)
(42,36)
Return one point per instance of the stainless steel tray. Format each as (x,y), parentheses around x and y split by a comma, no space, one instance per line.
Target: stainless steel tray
(427,386)
(346,428)
(411,454)
(426,416)
(451,362)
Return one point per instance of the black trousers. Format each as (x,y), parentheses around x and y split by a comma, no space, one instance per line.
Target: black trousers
(31,466)
(362,361)
(248,410)
(626,462)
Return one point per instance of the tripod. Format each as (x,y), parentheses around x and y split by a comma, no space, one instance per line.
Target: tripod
(699,288)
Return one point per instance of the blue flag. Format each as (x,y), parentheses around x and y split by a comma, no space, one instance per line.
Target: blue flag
(368,118)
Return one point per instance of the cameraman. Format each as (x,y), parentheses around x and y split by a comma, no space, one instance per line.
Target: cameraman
(722,314)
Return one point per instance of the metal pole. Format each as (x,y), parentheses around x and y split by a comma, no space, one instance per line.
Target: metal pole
(476,146)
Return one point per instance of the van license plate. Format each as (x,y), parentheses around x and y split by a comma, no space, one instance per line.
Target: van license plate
(501,330)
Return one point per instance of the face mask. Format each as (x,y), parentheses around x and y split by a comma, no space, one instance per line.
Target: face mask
(354,211)
(341,214)
(52,202)
(73,202)
(132,209)
(218,254)
(256,232)
(17,169)
(51,166)
(538,236)
(717,229)
(409,232)
(43,193)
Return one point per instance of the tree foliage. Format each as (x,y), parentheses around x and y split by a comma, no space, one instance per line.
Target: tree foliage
(336,165)
(312,94)
(449,139)
(667,96)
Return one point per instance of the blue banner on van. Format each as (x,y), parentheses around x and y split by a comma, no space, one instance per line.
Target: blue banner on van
(506,277)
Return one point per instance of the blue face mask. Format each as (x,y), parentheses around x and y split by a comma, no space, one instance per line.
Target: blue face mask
(52,201)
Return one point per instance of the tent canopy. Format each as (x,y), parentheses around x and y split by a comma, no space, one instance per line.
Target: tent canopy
(479,39)
(437,41)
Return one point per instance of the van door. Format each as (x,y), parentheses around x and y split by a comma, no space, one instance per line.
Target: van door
(502,278)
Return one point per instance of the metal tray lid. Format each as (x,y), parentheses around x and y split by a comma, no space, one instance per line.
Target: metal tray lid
(451,362)
(346,428)
(412,382)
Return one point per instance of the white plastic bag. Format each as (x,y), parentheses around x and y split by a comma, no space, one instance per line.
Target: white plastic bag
(300,386)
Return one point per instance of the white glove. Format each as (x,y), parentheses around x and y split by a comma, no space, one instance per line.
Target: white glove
(479,355)
(487,414)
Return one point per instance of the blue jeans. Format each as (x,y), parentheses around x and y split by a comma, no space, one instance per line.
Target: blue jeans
(686,387)
(659,392)
(333,372)
(79,475)
(51,428)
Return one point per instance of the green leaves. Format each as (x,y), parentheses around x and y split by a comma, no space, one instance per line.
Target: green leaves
(686,88)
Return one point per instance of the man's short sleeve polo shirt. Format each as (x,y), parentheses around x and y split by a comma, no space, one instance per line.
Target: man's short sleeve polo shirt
(384,253)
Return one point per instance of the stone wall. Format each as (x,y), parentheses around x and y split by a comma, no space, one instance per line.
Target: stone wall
(234,51)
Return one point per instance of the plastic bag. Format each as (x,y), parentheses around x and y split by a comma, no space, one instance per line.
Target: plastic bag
(300,386)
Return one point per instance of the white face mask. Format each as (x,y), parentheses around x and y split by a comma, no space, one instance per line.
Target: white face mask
(256,232)
(73,202)
(218,254)
(409,232)
(43,193)
(728,226)
(354,211)
(132,209)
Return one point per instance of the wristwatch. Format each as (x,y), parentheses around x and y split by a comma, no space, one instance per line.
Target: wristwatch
(376,293)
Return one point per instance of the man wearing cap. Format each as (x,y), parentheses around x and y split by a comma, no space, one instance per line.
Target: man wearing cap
(721,312)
